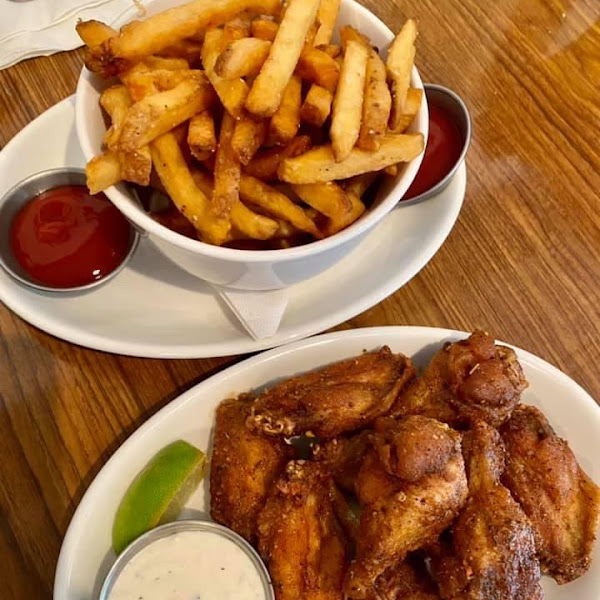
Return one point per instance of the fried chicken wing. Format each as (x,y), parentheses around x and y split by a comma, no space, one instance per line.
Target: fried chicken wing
(337,399)
(411,486)
(562,502)
(407,580)
(243,467)
(300,537)
(470,380)
(490,553)
(343,457)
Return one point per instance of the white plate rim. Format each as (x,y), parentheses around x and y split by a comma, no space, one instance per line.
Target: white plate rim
(244,344)
(379,335)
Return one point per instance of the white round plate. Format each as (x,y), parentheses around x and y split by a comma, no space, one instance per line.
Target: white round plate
(86,556)
(155,309)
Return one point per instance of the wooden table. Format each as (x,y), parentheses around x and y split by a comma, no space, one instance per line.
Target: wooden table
(522,262)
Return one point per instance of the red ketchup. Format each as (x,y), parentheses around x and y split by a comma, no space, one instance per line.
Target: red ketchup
(444,146)
(66,237)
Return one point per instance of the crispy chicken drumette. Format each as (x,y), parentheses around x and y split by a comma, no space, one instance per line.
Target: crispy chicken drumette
(562,502)
(489,553)
(470,380)
(411,486)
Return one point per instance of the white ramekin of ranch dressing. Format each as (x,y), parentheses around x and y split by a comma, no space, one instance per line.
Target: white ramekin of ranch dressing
(188,560)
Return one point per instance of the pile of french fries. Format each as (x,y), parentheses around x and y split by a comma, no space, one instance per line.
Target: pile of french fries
(248,117)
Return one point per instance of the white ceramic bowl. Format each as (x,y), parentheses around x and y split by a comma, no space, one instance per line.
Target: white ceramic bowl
(247,269)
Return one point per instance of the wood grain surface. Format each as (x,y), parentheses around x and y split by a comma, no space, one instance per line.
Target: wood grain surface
(523,261)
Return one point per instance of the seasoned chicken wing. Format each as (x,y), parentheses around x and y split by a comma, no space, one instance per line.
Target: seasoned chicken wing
(562,502)
(490,552)
(411,486)
(407,580)
(339,398)
(343,457)
(243,467)
(470,380)
(300,537)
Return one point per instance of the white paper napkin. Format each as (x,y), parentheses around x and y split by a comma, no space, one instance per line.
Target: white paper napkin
(43,27)
(259,312)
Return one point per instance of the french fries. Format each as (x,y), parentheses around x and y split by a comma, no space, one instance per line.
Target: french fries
(142,38)
(103,171)
(242,58)
(411,108)
(275,203)
(268,87)
(248,137)
(337,223)
(327,198)
(348,101)
(377,102)
(319,164)
(116,101)
(158,113)
(227,170)
(177,180)
(400,59)
(264,30)
(201,136)
(261,131)
(231,92)
(264,166)
(316,106)
(318,67)
(245,221)
(285,122)
(326,17)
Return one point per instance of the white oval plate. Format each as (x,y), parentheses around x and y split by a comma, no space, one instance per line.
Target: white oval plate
(154,309)
(86,556)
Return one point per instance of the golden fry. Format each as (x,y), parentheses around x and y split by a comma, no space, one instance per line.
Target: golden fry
(156,63)
(378,100)
(264,30)
(139,39)
(347,104)
(332,50)
(227,170)
(328,198)
(392,170)
(248,137)
(411,108)
(244,220)
(177,180)
(265,164)
(333,225)
(326,17)
(319,164)
(158,113)
(142,83)
(400,59)
(102,171)
(359,184)
(231,92)
(316,106)
(275,203)
(116,101)
(136,164)
(318,67)
(285,122)
(187,49)
(93,33)
(268,87)
(242,57)
(201,135)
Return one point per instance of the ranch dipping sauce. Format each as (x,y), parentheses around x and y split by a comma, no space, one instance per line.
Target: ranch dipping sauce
(190,565)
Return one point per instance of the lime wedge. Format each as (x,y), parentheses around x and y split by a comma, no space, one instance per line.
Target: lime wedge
(158,493)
